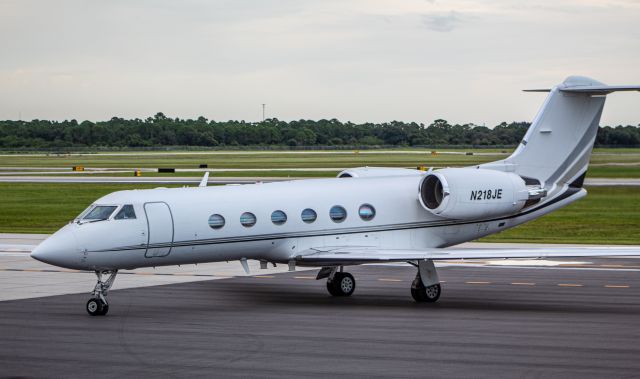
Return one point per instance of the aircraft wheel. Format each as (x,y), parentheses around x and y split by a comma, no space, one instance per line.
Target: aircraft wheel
(423,294)
(94,307)
(343,284)
(105,309)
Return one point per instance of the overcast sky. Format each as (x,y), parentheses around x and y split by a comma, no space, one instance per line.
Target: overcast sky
(358,60)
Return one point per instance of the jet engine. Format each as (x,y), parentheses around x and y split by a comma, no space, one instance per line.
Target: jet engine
(470,193)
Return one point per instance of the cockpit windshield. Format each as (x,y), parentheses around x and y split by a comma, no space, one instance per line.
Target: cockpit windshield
(126,213)
(99,212)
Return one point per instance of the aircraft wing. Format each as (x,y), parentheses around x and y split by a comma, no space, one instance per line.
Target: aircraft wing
(360,255)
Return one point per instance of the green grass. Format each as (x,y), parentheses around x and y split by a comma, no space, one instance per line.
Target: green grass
(46,207)
(614,172)
(604,160)
(594,172)
(244,160)
(607,215)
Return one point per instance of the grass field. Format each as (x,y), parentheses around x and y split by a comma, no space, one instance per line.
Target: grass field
(607,215)
(248,159)
(612,163)
(44,208)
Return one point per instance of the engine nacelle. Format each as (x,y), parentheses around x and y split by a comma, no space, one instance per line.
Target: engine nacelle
(365,172)
(470,193)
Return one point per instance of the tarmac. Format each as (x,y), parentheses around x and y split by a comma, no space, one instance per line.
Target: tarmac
(190,180)
(552,318)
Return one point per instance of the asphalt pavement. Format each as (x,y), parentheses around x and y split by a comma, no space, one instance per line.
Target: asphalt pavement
(222,180)
(491,322)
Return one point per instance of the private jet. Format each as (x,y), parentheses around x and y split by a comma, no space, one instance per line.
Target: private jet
(364,215)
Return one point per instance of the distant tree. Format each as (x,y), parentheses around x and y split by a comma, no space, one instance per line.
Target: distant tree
(161,130)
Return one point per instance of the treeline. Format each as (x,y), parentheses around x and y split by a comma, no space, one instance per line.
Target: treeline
(162,131)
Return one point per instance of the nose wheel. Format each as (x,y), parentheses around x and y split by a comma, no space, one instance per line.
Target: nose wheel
(97,305)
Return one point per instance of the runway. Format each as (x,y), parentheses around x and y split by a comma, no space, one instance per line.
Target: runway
(223,180)
(578,319)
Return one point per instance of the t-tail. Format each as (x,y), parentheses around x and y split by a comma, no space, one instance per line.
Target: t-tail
(557,147)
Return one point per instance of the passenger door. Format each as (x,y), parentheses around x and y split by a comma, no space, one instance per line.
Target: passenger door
(160,225)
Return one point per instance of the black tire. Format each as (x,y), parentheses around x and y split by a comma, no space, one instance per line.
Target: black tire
(332,288)
(343,284)
(423,294)
(105,309)
(95,307)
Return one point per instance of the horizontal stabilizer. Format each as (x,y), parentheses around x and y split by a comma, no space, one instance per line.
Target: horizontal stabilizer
(597,90)
(352,255)
(581,84)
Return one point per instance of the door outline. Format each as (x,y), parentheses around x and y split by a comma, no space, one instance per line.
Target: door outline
(173,229)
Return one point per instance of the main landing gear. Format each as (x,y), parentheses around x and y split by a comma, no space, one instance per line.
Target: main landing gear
(423,294)
(97,305)
(339,283)
(425,288)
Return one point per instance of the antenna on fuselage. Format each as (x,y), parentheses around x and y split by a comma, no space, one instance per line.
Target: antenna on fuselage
(205,180)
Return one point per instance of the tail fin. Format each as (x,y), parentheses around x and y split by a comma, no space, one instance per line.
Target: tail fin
(557,146)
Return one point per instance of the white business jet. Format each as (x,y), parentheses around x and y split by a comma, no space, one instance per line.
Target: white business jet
(365,215)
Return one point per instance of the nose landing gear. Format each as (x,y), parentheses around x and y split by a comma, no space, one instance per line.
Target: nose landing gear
(97,305)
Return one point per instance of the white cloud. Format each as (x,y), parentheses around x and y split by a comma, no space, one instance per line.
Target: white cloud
(360,60)
(442,22)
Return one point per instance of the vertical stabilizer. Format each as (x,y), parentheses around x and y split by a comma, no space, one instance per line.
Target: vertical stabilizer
(557,146)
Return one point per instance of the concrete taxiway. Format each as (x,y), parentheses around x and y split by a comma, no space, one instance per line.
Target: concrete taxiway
(190,180)
(562,318)
(487,324)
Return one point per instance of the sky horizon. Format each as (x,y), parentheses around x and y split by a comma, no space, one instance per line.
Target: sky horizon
(465,61)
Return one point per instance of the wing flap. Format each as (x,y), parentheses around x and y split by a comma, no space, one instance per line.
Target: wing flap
(351,255)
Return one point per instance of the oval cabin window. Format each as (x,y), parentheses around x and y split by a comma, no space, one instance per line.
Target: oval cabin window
(248,219)
(367,212)
(216,221)
(338,213)
(309,215)
(278,217)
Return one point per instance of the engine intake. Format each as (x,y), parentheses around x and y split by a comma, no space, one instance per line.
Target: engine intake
(432,191)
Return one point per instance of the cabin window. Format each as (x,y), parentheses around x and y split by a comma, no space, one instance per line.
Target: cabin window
(367,212)
(338,213)
(100,212)
(248,219)
(216,221)
(126,213)
(309,215)
(278,217)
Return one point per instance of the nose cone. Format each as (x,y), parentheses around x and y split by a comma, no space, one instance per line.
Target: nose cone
(60,249)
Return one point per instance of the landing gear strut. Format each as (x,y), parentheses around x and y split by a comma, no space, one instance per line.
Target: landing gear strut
(425,288)
(97,305)
(340,283)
